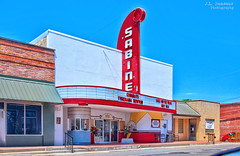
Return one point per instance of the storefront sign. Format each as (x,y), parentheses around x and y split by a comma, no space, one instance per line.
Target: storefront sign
(89,92)
(130,97)
(129,43)
(209,124)
(155,123)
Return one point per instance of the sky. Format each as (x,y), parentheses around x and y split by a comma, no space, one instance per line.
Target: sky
(201,39)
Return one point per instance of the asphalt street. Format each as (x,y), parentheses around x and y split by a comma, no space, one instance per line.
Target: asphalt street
(198,150)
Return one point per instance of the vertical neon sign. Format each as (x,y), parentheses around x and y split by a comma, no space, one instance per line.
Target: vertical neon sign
(129,43)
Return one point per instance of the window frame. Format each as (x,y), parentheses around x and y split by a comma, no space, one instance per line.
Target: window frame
(21,117)
(25,118)
(74,124)
(182,126)
(74,119)
(25,104)
(77,125)
(87,126)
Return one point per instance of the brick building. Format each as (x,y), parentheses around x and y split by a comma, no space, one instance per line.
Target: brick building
(229,118)
(27,92)
(26,60)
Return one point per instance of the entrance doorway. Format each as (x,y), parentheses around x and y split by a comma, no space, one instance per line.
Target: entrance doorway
(114,131)
(108,131)
(192,129)
(164,127)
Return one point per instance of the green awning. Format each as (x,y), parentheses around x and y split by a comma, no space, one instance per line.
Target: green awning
(185,110)
(13,88)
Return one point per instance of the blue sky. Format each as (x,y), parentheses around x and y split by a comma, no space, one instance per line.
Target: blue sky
(202,43)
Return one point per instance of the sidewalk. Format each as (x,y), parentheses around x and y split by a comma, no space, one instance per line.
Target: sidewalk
(102,147)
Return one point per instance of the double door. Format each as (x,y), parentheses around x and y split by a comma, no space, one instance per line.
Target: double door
(108,131)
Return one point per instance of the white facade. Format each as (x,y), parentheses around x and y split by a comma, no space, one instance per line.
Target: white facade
(80,62)
(156,78)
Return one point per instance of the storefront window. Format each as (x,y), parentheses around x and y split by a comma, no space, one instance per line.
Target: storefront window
(85,124)
(15,119)
(1,105)
(72,124)
(180,125)
(16,115)
(77,124)
(33,119)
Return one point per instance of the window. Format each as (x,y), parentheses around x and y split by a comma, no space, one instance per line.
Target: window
(1,105)
(33,119)
(15,119)
(85,124)
(209,128)
(24,119)
(72,124)
(180,125)
(77,124)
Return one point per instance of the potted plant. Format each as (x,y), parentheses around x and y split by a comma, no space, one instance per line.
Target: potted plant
(126,131)
(94,132)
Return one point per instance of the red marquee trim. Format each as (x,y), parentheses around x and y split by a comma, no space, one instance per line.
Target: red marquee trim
(117,104)
(112,88)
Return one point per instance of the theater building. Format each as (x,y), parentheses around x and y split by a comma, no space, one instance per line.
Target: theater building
(110,88)
(27,94)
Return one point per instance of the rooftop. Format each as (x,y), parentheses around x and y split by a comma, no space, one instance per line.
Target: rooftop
(186,110)
(199,101)
(26,44)
(228,104)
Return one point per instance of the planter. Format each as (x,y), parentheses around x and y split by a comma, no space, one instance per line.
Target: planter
(92,138)
(127,140)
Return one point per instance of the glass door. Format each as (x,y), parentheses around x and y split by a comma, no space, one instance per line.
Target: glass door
(192,129)
(164,128)
(114,131)
(106,130)
(99,135)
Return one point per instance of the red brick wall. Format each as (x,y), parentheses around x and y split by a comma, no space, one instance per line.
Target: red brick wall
(229,118)
(26,60)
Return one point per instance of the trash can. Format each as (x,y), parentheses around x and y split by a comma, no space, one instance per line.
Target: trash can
(169,138)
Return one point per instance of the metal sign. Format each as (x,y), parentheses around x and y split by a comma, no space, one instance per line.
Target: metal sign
(129,43)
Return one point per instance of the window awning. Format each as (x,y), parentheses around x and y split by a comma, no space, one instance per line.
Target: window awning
(13,88)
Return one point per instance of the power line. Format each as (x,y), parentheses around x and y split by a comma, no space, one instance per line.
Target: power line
(238,97)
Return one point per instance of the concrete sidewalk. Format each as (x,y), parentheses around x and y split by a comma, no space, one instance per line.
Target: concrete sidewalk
(100,147)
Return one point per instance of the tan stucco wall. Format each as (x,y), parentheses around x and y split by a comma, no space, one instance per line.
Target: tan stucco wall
(185,135)
(207,110)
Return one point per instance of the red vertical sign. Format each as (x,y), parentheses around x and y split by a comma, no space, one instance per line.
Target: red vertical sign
(129,43)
